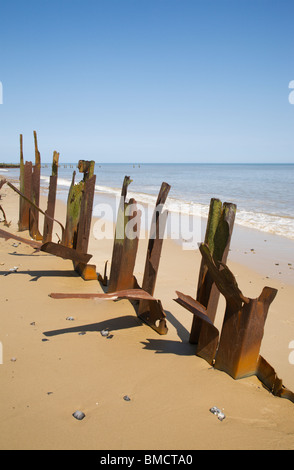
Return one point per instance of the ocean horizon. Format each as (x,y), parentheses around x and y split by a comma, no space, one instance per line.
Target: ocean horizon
(263,192)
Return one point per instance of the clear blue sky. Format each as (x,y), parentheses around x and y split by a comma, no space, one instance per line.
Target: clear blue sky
(148,80)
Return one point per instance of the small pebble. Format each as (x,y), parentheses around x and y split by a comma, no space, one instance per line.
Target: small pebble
(82,333)
(127,398)
(104,333)
(13,359)
(79,415)
(70,318)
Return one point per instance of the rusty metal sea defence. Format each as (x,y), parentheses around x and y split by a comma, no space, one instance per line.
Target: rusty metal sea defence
(236,350)
(75,236)
(122,282)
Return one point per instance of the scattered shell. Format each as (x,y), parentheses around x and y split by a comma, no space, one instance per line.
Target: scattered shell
(217,412)
(127,398)
(104,333)
(82,333)
(79,415)
(33,323)
(70,318)
(13,359)
(12,270)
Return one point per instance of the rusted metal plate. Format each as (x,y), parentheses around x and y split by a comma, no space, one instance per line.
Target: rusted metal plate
(35,195)
(32,204)
(73,213)
(244,321)
(268,376)
(83,233)
(154,316)
(147,312)
(86,271)
(2,182)
(7,236)
(208,342)
(24,206)
(117,266)
(79,208)
(65,252)
(130,294)
(242,335)
(50,212)
(125,278)
(218,235)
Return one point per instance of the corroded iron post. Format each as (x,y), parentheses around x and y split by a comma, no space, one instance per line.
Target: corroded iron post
(25,181)
(48,221)
(218,237)
(79,216)
(125,245)
(150,312)
(236,350)
(36,177)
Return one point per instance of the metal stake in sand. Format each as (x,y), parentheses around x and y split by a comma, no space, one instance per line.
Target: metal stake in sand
(36,177)
(150,312)
(79,216)
(48,220)
(237,350)
(218,237)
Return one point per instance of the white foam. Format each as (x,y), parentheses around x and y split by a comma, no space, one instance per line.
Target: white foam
(268,223)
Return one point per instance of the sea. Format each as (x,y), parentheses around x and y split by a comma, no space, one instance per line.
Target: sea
(263,193)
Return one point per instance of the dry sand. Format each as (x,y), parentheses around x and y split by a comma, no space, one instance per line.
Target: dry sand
(50,370)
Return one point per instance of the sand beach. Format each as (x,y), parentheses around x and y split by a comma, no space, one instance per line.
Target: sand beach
(55,360)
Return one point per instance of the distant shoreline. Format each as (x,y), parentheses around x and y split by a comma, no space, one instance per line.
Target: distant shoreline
(9,165)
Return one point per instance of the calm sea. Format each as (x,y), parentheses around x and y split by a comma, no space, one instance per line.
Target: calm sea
(264,194)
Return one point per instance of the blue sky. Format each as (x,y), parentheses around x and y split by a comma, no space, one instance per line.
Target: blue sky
(148,80)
